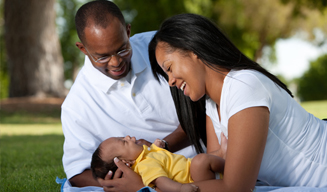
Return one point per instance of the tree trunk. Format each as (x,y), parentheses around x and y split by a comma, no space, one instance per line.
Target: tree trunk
(33,49)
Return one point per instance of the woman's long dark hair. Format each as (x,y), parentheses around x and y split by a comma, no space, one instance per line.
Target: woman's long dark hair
(195,33)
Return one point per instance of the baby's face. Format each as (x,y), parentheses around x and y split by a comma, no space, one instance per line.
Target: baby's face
(123,148)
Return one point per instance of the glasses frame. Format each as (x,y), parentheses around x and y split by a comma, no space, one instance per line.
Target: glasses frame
(109,57)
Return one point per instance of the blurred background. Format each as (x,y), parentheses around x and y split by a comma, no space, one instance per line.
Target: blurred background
(288,37)
(39,62)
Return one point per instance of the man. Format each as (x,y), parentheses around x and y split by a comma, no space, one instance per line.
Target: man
(115,93)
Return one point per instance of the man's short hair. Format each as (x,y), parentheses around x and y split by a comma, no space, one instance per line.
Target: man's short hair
(98,13)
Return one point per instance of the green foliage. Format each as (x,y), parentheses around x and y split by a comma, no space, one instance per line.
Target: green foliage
(313,4)
(73,58)
(250,24)
(147,15)
(312,85)
(4,79)
(31,163)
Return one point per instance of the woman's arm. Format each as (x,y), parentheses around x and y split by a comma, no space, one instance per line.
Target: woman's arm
(247,130)
(165,184)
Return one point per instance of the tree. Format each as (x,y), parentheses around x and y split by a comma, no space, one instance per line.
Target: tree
(3,64)
(33,51)
(73,57)
(312,85)
(147,15)
(251,24)
(254,25)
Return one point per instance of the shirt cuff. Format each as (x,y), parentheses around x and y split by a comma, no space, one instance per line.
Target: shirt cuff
(146,189)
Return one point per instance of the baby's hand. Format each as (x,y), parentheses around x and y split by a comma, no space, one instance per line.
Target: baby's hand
(189,187)
(159,143)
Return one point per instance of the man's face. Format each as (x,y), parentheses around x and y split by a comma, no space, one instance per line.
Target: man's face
(103,44)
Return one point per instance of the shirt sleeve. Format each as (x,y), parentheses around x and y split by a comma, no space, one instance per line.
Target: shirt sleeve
(245,91)
(79,143)
(150,169)
(146,189)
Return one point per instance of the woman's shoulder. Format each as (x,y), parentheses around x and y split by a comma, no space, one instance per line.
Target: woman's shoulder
(248,78)
(245,74)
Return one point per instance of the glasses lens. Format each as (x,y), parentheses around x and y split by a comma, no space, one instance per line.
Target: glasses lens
(124,53)
(103,60)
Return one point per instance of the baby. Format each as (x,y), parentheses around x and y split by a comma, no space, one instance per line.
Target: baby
(157,167)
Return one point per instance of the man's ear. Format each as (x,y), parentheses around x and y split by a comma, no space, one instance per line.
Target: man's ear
(81,47)
(128,30)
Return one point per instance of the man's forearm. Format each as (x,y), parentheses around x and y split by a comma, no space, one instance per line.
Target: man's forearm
(84,179)
(177,140)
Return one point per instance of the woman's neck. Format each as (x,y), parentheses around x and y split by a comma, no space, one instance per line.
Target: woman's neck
(214,83)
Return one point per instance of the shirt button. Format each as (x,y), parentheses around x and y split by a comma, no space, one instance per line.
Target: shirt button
(134,94)
(122,84)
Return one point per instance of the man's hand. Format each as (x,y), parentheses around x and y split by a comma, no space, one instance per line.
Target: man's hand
(143,142)
(125,179)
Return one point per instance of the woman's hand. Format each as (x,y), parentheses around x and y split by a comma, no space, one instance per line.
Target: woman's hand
(213,145)
(125,179)
(223,146)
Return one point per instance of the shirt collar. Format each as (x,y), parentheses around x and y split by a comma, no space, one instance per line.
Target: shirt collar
(103,82)
(141,155)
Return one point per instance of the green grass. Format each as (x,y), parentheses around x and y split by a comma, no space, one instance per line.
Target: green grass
(317,108)
(31,151)
(32,147)
(31,163)
(23,117)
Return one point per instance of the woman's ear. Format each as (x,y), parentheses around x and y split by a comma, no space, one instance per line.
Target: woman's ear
(194,56)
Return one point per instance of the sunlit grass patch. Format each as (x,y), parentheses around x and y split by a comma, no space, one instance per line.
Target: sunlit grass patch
(30,129)
(317,108)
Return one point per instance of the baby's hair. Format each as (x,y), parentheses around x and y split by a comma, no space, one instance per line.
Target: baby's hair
(99,167)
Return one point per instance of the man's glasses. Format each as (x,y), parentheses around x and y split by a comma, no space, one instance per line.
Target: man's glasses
(106,59)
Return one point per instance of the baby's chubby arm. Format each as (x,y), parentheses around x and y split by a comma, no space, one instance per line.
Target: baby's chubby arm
(165,184)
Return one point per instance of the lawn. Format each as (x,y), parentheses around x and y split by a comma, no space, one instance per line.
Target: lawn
(317,108)
(31,149)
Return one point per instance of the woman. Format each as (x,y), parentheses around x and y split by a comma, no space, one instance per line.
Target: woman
(270,136)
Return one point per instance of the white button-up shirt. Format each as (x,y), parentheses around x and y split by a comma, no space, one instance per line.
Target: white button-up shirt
(98,107)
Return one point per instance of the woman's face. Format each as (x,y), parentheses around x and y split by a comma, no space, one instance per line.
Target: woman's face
(184,69)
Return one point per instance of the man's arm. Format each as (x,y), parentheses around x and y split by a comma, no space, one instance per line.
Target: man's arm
(177,140)
(84,179)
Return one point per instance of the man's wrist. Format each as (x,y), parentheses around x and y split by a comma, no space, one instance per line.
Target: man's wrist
(166,145)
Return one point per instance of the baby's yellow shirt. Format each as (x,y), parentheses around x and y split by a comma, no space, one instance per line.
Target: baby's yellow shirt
(156,162)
